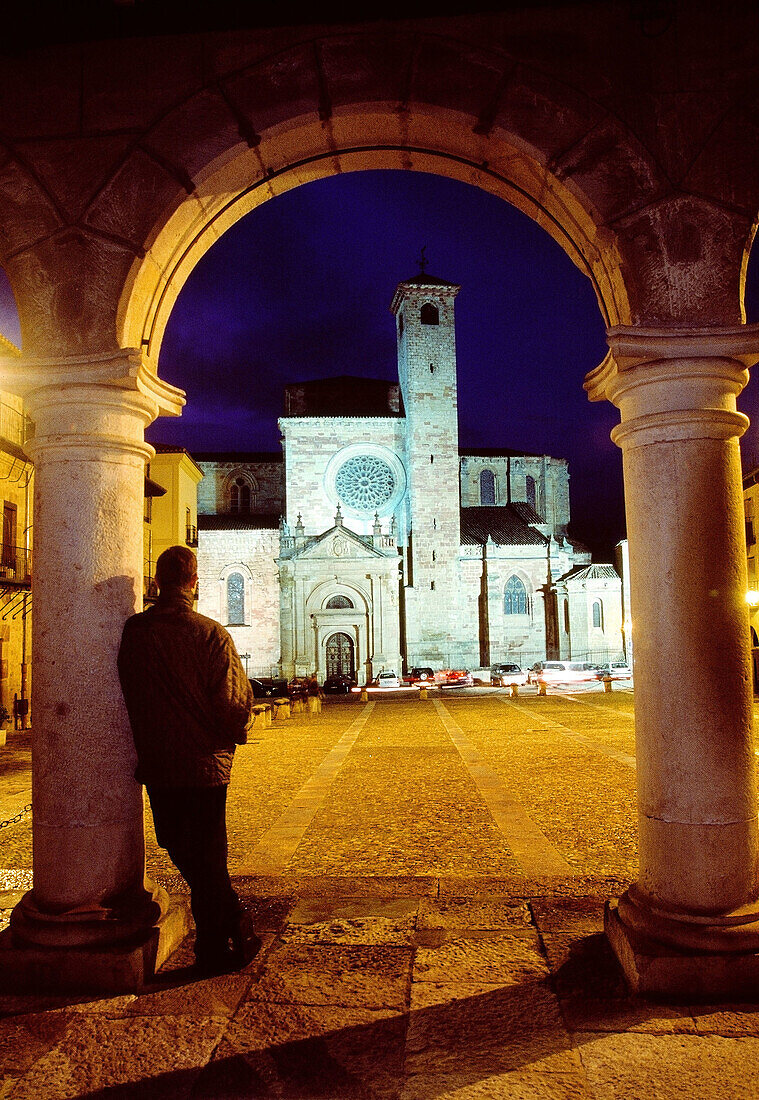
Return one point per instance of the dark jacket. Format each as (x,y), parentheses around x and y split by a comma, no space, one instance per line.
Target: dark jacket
(186,692)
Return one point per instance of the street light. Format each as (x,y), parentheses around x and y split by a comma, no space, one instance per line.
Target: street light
(245,657)
(752,598)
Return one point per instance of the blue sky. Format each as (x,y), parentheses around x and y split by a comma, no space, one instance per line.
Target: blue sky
(301,288)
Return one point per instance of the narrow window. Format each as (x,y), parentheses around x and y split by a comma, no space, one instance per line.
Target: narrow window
(432,459)
(434,525)
(432,585)
(530,490)
(400,325)
(432,368)
(566,616)
(487,487)
(514,597)
(598,614)
(235,600)
(434,555)
(429,315)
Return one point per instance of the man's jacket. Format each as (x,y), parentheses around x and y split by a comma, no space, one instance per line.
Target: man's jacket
(187,695)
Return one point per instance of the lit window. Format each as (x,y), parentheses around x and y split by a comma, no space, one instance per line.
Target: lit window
(514,597)
(429,315)
(487,487)
(235,599)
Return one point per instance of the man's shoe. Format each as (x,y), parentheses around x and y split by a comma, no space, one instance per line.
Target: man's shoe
(225,961)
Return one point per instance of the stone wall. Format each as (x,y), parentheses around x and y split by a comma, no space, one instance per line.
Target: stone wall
(266,479)
(253,554)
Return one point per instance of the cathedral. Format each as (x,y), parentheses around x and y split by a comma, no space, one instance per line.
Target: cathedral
(374,541)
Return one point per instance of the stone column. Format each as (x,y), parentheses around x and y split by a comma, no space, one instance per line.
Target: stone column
(89,887)
(690,924)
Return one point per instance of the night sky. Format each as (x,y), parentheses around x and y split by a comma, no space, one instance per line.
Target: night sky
(301,289)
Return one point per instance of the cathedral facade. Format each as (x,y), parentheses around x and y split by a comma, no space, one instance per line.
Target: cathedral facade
(373,541)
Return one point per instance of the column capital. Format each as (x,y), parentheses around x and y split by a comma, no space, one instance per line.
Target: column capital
(54,380)
(675,383)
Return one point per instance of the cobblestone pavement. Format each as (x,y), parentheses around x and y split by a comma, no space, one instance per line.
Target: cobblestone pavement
(428,878)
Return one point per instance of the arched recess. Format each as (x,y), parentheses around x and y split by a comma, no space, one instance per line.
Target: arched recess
(371,137)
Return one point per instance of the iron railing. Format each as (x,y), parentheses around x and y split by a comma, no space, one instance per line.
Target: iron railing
(192,535)
(15,426)
(15,565)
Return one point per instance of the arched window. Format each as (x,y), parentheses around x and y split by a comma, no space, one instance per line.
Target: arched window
(235,600)
(487,487)
(598,614)
(514,597)
(530,493)
(239,496)
(566,616)
(429,315)
(338,602)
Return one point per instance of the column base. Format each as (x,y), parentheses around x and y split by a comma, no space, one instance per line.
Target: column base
(125,968)
(660,971)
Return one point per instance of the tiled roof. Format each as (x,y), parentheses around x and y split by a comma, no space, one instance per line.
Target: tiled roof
(427,280)
(252,521)
(504,525)
(236,456)
(590,573)
(526,512)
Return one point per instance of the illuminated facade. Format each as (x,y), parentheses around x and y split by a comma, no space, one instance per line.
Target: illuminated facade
(394,547)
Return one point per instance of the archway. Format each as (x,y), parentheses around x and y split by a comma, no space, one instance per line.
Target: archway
(98,262)
(339,655)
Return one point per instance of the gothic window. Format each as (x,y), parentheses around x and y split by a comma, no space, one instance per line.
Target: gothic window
(515,597)
(239,495)
(235,600)
(487,487)
(338,602)
(598,614)
(530,492)
(429,315)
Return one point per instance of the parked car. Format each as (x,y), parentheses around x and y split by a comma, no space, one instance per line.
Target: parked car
(503,675)
(614,672)
(419,675)
(386,680)
(269,688)
(565,672)
(339,685)
(454,677)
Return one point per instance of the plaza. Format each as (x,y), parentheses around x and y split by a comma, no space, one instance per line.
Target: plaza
(428,877)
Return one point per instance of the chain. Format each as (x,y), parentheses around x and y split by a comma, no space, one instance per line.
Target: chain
(19,816)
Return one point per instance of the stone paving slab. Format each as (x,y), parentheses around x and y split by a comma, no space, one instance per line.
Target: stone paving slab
(426,964)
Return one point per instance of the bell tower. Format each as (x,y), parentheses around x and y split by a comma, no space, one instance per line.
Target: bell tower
(424,310)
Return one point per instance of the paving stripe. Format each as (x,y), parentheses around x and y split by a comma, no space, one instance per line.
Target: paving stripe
(567,731)
(277,845)
(530,847)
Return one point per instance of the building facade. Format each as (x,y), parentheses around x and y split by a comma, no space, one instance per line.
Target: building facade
(375,542)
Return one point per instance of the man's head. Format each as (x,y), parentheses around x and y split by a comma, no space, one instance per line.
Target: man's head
(176,567)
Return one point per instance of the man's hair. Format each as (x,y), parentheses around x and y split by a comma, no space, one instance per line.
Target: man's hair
(176,567)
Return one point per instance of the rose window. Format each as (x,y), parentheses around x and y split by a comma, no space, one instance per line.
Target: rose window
(365,483)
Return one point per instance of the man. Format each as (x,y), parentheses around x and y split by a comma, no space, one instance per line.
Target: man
(189,704)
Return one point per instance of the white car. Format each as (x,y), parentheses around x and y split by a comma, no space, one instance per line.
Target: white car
(565,672)
(503,675)
(387,680)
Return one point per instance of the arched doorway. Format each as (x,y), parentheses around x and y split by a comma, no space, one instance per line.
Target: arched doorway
(340,655)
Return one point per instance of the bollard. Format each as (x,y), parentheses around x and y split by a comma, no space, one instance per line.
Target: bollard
(514,691)
(364,695)
(541,688)
(422,692)
(607,683)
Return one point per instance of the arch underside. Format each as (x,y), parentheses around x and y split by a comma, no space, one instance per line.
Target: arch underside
(242,184)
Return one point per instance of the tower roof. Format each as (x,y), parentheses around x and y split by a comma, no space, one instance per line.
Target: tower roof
(422,281)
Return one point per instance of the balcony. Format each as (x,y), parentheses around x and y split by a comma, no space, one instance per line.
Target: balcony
(15,427)
(15,567)
(192,535)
